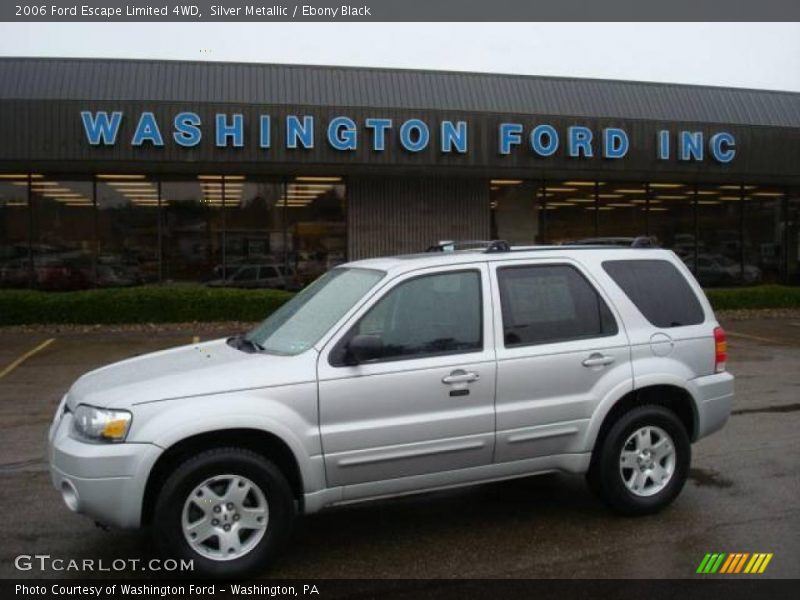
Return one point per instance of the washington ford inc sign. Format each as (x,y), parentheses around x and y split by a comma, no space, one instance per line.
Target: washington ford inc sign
(344,134)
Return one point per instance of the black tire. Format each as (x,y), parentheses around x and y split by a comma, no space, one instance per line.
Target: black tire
(167,528)
(605,476)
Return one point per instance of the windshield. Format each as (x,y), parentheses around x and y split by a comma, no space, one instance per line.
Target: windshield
(301,322)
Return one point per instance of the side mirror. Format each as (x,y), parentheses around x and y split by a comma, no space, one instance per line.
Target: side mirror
(362,348)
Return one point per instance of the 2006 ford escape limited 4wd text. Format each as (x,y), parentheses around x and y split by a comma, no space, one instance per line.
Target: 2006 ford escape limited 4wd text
(397,375)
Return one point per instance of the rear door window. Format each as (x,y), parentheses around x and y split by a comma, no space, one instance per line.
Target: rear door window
(659,291)
(550,303)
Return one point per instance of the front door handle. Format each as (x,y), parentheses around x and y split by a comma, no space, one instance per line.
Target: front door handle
(598,360)
(461,376)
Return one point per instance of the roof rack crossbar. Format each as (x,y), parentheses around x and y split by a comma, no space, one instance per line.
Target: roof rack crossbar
(644,241)
(453,245)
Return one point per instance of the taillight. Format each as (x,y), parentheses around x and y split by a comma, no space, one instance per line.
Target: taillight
(720,350)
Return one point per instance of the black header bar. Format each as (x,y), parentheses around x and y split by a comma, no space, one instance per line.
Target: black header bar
(400,11)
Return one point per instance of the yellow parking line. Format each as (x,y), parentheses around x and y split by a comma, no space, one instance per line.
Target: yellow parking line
(757,338)
(25,357)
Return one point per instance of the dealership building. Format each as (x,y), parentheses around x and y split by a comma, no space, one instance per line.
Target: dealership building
(127,172)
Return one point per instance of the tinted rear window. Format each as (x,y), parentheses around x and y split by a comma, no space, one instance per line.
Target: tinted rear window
(658,290)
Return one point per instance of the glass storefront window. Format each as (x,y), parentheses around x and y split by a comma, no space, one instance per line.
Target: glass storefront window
(192,229)
(671,218)
(516,211)
(14,231)
(63,233)
(570,210)
(719,246)
(622,210)
(78,232)
(316,228)
(127,230)
(792,237)
(255,241)
(763,241)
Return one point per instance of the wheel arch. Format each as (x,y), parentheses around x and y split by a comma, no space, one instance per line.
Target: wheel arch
(264,443)
(668,394)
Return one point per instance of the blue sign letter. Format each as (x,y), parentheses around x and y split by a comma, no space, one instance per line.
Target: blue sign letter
(187,129)
(539,135)
(379,136)
(615,143)
(691,145)
(235,130)
(295,132)
(147,131)
(342,134)
(423,135)
(264,132)
(510,133)
(580,139)
(454,135)
(99,128)
(723,146)
(663,145)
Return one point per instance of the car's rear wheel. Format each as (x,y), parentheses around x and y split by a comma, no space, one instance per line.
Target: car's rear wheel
(229,510)
(642,463)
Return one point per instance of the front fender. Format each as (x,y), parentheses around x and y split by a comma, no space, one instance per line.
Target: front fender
(289,415)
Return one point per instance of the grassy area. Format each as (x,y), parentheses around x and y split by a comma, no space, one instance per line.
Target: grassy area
(761,296)
(183,304)
(149,304)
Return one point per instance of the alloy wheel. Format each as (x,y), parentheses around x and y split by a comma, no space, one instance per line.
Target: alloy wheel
(225,517)
(647,461)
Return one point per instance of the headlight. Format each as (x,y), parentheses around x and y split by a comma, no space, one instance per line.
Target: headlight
(101,425)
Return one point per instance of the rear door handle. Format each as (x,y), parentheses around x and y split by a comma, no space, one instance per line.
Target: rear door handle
(461,376)
(598,360)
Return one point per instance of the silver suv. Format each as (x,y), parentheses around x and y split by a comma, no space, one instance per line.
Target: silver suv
(399,375)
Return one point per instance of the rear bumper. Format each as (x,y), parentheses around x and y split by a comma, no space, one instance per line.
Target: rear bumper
(103,481)
(713,400)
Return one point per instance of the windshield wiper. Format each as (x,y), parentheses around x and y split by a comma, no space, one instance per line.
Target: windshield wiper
(245,344)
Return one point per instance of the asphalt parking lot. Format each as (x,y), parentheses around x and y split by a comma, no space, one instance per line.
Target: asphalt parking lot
(742,495)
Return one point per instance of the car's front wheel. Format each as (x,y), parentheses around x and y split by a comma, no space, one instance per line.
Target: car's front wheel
(227,509)
(642,463)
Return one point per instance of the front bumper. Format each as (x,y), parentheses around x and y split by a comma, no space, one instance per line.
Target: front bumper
(103,481)
(714,400)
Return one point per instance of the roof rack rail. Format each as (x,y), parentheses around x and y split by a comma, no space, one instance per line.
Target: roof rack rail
(641,241)
(487,245)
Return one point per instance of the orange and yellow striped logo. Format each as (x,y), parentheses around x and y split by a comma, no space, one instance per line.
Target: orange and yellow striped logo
(734,563)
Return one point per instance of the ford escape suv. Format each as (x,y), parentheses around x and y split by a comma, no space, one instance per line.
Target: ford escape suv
(398,375)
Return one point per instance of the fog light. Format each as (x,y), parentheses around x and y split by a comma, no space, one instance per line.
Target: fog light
(70,495)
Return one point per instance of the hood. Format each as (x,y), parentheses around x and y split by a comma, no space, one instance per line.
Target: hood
(195,370)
